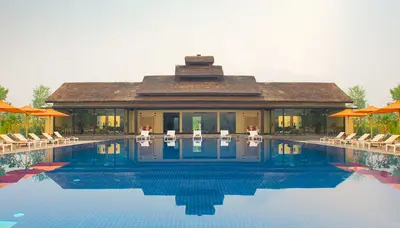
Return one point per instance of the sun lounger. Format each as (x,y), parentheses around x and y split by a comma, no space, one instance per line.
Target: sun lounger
(377,138)
(50,139)
(326,139)
(197,135)
(333,140)
(144,136)
(348,139)
(390,140)
(5,145)
(225,135)
(9,140)
(170,136)
(392,145)
(360,140)
(254,136)
(59,136)
(22,138)
(39,140)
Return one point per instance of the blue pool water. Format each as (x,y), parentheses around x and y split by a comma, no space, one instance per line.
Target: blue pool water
(123,183)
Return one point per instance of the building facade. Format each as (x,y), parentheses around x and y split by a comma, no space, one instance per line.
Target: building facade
(199,96)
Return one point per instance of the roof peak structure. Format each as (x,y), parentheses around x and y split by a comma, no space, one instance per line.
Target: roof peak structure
(199,68)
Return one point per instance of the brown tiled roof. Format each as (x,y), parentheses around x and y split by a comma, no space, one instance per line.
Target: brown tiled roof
(168,85)
(303,92)
(181,70)
(94,91)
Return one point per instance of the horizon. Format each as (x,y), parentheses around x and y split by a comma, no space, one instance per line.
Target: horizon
(343,42)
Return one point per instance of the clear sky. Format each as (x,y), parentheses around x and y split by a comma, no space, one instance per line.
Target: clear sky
(348,42)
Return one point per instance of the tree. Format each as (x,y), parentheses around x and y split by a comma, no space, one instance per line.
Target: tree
(3,93)
(395,93)
(357,94)
(40,95)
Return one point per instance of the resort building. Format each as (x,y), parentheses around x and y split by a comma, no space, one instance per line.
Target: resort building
(199,96)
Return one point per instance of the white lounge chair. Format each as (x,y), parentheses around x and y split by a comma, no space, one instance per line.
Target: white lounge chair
(392,145)
(51,140)
(59,136)
(9,140)
(39,140)
(390,140)
(197,135)
(347,139)
(5,145)
(22,138)
(49,137)
(170,136)
(144,136)
(326,139)
(254,136)
(377,138)
(360,140)
(225,135)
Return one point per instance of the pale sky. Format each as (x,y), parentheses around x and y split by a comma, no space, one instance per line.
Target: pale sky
(349,42)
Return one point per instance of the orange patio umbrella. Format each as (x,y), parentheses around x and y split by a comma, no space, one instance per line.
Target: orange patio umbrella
(394,107)
(29,110)
(4,107)
(347,114)
(368,110)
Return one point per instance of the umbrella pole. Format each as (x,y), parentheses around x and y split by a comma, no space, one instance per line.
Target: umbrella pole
(26,124)
(370,124)
(398,124)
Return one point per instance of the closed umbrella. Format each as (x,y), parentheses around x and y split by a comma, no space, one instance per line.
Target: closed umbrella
(394,107)
(29,110)
(347,114)
(368,110)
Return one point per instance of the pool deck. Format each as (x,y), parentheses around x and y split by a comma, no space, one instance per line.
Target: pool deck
(48,146)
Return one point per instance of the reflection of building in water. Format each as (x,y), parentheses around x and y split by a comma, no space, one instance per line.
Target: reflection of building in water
(199,186)
(210,149)
(284,148)
(109,148)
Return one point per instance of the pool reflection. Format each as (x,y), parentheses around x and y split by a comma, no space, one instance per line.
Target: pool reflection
(199,177)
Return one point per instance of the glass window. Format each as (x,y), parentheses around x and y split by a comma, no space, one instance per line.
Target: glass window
(105,121)
(279,123)
(314,121)
(64,124)
(204,121)
(121,121)
(293,121)
(84,121)
(228,121)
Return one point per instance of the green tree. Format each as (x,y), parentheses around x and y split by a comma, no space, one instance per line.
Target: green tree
(357,94)
(395,93)
(40,95)
(3,93)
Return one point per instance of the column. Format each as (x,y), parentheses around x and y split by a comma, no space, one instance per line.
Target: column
(218,122)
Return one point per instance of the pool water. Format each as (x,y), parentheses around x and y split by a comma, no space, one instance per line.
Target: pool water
(274,183)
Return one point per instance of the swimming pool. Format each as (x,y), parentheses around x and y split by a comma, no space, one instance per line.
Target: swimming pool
(274,183)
